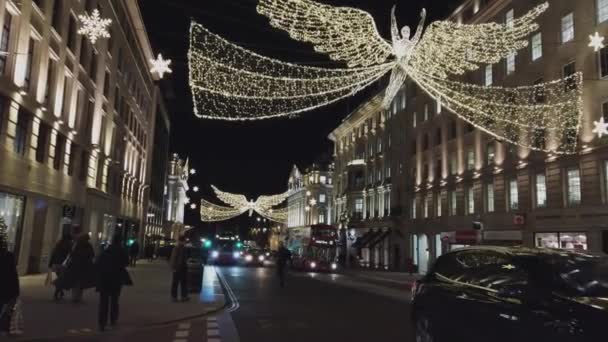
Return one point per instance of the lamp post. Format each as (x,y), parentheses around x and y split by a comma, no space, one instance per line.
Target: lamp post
(344,221)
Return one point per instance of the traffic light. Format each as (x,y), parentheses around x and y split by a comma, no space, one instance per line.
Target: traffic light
(207,243)
(239,244)
(130,242)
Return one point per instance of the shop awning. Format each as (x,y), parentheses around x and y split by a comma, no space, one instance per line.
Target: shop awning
(364,239)
(379,238)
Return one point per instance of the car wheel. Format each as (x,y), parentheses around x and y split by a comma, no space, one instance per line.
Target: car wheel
(424,331)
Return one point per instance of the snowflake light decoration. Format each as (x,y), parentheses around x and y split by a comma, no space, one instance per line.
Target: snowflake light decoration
(596,42)
(601,127)
(94,27)
(160,66)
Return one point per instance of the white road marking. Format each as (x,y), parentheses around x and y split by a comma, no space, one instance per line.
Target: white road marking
(212,325)
(182,333)
(213,332)
(211,319)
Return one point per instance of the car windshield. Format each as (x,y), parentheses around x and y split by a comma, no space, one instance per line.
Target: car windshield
(586,275)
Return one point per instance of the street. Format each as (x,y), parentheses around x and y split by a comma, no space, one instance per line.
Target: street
(312,307)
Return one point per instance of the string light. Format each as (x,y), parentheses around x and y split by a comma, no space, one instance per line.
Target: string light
(214,213)
(160,66)
(596,42)
(238,205)
(601,127)
(231,83)
(94,27)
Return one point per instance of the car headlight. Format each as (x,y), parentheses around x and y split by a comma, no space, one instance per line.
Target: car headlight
(261,258)
(313,264)
(267,254)
(215,254)
(249,258)
(236,255)
(334,266)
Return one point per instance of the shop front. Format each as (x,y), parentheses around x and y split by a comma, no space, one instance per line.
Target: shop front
(11,216)
(561,240)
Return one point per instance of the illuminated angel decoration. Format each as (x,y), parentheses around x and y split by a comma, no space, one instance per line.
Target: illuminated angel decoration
(239,204)
(231,83)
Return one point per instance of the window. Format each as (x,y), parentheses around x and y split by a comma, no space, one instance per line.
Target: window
(510,63)
(414,120)
(539,138)
(323,179)
(59,152)
(539,91)
(576,241)
(106,85)
(602,10)
(72,161)
(359,206)
(541,190)
(322,198)
(490,197)
(513,195)
(490,153)
(427,204)
(5,41)
(453,164)
(438,204)
(453,203)
(56,19)
(470,158)
(489,77)
(604,61)
(23,122)
(537,46)
(72,35)
(413,209)
(43,140)
(573,179)
(50,79)
(321,217)
(569,70)
(470,201)
(509,17)
(568,28)
(27,81)
(438,106)
(426,112)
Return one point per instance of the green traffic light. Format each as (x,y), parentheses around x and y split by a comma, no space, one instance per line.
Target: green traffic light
(131,242)
(239,245)
(207,244)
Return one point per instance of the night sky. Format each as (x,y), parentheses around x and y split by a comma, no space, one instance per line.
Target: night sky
(253,158)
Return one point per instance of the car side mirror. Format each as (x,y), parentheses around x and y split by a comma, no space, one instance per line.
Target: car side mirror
(515,291)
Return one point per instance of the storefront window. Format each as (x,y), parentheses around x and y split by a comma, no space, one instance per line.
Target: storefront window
(11,213)
(575,241)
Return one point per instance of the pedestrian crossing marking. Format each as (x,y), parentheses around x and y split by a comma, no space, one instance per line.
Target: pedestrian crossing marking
(213,332)
(212,319)
(211,325)
(184,326)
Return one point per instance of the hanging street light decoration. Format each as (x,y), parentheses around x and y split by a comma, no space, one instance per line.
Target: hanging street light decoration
(93,26)
(160,66)
(596,42)
(239,204)
(195,189)
(229,82)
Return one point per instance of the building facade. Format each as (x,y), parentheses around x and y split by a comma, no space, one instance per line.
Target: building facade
(369,183)
(460,186)
(176,196)
(310,199)
(76,125)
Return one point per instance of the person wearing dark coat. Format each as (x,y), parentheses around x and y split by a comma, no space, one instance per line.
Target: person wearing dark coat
(134,253)
(283,257)
(80,273)
(9,285)
(112,276)
(60,253)
(178,264)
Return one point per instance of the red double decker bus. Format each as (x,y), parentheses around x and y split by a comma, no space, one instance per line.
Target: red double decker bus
(314,248)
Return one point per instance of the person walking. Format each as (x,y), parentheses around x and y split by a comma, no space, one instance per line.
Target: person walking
(112,276)
(283,256)
(149,251)
(80,274)
(180,270)
(9,285)
(134,253)
(59,255)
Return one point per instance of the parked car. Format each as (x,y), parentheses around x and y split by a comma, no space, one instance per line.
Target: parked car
(512,294)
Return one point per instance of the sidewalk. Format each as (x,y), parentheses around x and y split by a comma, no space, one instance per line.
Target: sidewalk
(146,303)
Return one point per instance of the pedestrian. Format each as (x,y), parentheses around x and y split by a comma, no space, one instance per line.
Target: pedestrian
(149,251)
(9,287)
(59,256)
(112,276)
(283,257)
(180,270)
(80,273)
(134,253)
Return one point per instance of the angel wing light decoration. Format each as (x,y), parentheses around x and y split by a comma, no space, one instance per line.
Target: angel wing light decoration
(238,205)
(231,83)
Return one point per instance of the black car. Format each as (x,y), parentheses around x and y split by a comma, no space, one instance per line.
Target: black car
(512,294)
